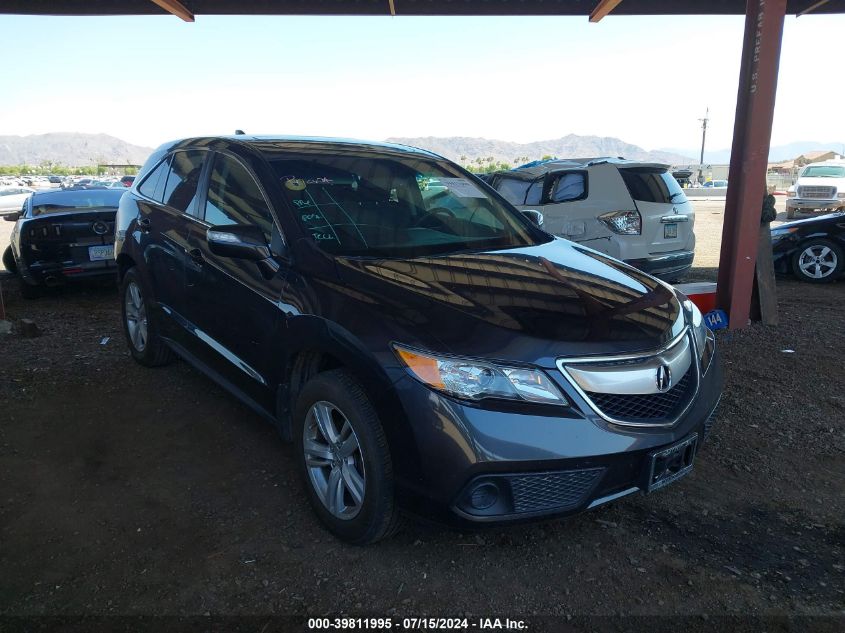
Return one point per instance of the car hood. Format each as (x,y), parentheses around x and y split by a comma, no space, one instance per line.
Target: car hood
(819,181)
(532,304)
(819,219)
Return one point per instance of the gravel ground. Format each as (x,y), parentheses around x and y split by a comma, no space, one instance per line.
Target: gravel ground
(130,491)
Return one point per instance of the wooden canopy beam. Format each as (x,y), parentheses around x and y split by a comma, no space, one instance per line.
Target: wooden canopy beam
(176,8)
(812,8)
(603,8)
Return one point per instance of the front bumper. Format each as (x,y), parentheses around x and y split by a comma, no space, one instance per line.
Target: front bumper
(664,265)
(546,461)
(812,204)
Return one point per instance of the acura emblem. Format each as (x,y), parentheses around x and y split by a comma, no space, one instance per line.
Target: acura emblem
(664,378)
(100,228)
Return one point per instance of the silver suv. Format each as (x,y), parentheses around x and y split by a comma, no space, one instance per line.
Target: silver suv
(633,211)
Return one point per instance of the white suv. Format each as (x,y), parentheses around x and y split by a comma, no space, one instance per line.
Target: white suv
(820,187)
(633,211)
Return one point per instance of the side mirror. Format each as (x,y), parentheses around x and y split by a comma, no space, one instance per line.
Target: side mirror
(240,241)
(536,217)
(12,217)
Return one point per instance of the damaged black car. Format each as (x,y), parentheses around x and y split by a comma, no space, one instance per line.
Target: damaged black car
(62,236)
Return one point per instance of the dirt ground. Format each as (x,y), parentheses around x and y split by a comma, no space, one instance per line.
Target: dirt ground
(130,491)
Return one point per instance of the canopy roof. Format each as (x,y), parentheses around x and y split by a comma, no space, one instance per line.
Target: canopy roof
(403,7)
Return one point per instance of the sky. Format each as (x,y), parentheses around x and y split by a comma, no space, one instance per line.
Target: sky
(646,80)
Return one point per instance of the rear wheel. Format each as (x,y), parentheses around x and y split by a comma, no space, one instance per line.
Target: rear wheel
(141,330)
(818,261)
(344,459)
(9,260)
(30,292)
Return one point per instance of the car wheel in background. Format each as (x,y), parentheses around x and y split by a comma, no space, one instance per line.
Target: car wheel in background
(790,213)
(9,260)
(344,458)
(818,261)
(138,325)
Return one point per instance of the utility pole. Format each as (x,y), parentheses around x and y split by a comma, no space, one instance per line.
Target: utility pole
(703,136)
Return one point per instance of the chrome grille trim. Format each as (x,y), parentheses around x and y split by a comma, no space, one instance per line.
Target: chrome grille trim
(563,363)
(818,192)
(637,379)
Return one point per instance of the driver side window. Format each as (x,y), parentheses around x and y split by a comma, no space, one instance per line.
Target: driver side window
(235,198)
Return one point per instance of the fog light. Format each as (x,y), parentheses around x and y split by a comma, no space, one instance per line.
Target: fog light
(483,496)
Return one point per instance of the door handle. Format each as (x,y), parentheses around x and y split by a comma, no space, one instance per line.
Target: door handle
(196,255)
(144,224)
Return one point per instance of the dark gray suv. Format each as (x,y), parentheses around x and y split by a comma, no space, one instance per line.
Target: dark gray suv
(426,346)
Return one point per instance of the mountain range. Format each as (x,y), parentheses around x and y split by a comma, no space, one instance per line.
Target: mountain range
(71,149)
(777,153)
(464,149)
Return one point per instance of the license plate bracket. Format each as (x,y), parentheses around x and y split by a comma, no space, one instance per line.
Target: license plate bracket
(100,253)
(668,465)
(670,231)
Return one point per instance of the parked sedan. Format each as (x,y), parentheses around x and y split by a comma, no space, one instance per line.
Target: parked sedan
(811,249)
(436,354)
(62,236)
(12,198)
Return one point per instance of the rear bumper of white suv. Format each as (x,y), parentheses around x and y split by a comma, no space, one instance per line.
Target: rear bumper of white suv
(665,265)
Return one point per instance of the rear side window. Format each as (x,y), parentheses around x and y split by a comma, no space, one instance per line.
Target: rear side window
(235,198)
(180,192)
(569,187)
(648,184)
(150,185)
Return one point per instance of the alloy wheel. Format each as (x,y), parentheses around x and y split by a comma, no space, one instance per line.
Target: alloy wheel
(334,460)
(817,261)
(136,317)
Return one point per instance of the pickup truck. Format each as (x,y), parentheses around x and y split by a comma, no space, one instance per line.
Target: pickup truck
(820,187)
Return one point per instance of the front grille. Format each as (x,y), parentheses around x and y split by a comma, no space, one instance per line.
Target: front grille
(552,491)
(818,192)
(646,407)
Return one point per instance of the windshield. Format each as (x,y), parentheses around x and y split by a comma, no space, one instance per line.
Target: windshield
(518,191)
(824,171)
(396,206)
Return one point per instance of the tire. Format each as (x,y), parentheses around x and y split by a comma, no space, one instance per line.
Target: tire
(139,326)
(818,261)
(790,213)
(30,292)
(356,465)
(9,262)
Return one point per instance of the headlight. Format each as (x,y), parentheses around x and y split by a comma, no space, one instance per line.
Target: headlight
(840,195)
(623,222)
(790,193)
(779,234)
(705,340)
(475,380)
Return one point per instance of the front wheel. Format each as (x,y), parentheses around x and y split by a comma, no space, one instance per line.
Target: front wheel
(140,329)
(818,261)
(344,459)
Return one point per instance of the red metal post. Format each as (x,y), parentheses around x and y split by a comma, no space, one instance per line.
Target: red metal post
(755,107)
